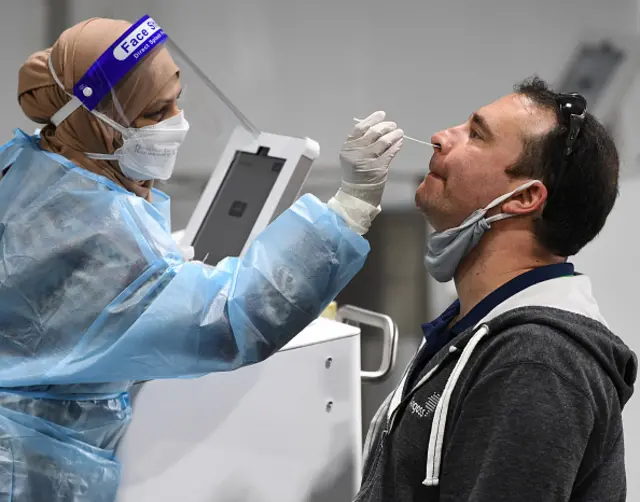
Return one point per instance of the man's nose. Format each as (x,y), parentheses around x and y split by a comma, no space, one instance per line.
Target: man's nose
(441,139)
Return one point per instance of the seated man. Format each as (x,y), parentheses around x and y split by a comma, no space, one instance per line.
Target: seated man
(517,393)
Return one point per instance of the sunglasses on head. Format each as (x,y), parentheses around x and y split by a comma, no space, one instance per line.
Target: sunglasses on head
(573,110)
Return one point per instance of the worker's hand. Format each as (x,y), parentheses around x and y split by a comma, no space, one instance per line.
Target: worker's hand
(365,159)
(187,252)
(366,155)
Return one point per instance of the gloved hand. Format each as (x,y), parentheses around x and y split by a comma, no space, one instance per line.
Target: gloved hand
(365,159)
(187,252)
(366,155)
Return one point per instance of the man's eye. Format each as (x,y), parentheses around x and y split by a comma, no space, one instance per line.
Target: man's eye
(473,134)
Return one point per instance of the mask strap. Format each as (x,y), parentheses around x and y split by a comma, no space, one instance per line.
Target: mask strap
(112,123)
(498,217)
(70,107)
(101,156)
(502,198)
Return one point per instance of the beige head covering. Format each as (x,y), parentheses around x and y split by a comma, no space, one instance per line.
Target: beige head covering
(72,55)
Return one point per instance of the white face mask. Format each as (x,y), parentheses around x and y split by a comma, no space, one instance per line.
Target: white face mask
(147,153)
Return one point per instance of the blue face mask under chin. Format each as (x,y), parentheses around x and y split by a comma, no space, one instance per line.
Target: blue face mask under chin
(446,249)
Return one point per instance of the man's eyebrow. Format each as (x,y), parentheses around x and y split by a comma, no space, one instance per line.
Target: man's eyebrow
(481,122)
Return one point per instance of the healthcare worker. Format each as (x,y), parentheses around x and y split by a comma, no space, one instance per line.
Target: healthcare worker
(94,293)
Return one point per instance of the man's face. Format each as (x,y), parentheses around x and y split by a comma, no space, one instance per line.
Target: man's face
(469,171)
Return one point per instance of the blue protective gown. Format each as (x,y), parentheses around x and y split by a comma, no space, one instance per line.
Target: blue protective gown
(94,295)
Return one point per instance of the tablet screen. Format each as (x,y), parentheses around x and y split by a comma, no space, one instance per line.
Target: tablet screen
(238,203)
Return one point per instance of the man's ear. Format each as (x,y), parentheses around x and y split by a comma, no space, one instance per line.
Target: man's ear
(529,201)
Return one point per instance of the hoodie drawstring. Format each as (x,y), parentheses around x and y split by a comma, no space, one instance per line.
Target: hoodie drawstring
(434,455)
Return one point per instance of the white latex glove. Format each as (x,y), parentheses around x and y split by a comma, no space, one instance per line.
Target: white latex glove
(365,159)
(366,155)
(187,251)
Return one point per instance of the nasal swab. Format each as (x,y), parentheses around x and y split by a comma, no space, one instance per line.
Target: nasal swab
(410,138)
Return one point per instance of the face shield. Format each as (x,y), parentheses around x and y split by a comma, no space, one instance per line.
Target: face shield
(142,91)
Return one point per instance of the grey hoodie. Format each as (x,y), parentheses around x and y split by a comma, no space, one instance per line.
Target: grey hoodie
(525,406)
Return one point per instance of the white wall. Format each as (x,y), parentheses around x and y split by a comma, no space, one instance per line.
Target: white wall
(23,32)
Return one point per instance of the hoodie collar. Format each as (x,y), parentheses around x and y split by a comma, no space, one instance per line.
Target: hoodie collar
(572,294)
(436,332)
(510,290)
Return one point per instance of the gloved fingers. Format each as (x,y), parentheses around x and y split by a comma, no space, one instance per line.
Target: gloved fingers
(373,134)
(392,151)
(364,125)
(370,173)
(385,142)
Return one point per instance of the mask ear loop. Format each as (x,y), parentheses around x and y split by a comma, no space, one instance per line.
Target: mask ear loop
(502,198)
(117,127)
(479,214)
(498,217)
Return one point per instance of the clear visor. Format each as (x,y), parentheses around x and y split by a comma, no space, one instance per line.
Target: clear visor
(213,119)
